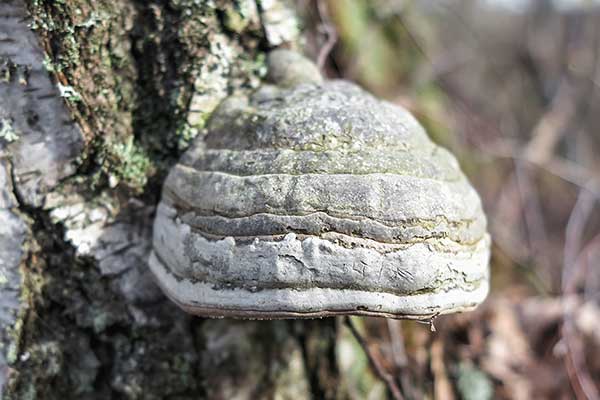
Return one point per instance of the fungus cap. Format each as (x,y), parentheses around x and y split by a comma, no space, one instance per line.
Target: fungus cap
(313,199)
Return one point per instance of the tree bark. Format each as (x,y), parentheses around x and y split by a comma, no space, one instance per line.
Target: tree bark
(97,99)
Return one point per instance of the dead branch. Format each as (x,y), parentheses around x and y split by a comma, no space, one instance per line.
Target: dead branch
(581,381)
(328,29)
(379,370)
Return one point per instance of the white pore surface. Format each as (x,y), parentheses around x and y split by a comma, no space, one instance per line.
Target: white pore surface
(202,299)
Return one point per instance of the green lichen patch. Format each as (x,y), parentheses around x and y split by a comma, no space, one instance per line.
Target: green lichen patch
(7,131)
(87,47)
(127,162)
(69,93)
(146,75)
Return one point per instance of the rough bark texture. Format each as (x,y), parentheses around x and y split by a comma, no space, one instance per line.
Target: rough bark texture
(97,99)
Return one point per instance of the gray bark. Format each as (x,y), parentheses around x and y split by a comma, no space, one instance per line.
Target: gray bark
(97,100)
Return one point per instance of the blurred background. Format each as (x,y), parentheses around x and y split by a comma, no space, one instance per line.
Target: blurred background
(511,88)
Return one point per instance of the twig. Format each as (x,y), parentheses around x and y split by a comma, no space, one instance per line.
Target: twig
(397,340)
(573,236)
(504,242)
(580,267)
(442,388)
(552,126)
(374,362)
(562,168)
(582,382)
(588,254)
(399,357)
(533,217)
(330,34)
(519,251)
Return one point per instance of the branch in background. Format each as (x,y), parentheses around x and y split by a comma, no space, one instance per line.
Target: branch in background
(379,370)
(552,126)
(441,382)
(535,223)
(400,358)
(397,340)
(327,28)
(581,381)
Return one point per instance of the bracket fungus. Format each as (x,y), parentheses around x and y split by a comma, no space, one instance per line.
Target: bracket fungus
(312,198)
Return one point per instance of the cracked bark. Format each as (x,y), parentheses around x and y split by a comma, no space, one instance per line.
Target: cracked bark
(96,102)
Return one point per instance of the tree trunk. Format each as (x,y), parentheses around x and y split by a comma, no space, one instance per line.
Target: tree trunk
(97,99)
